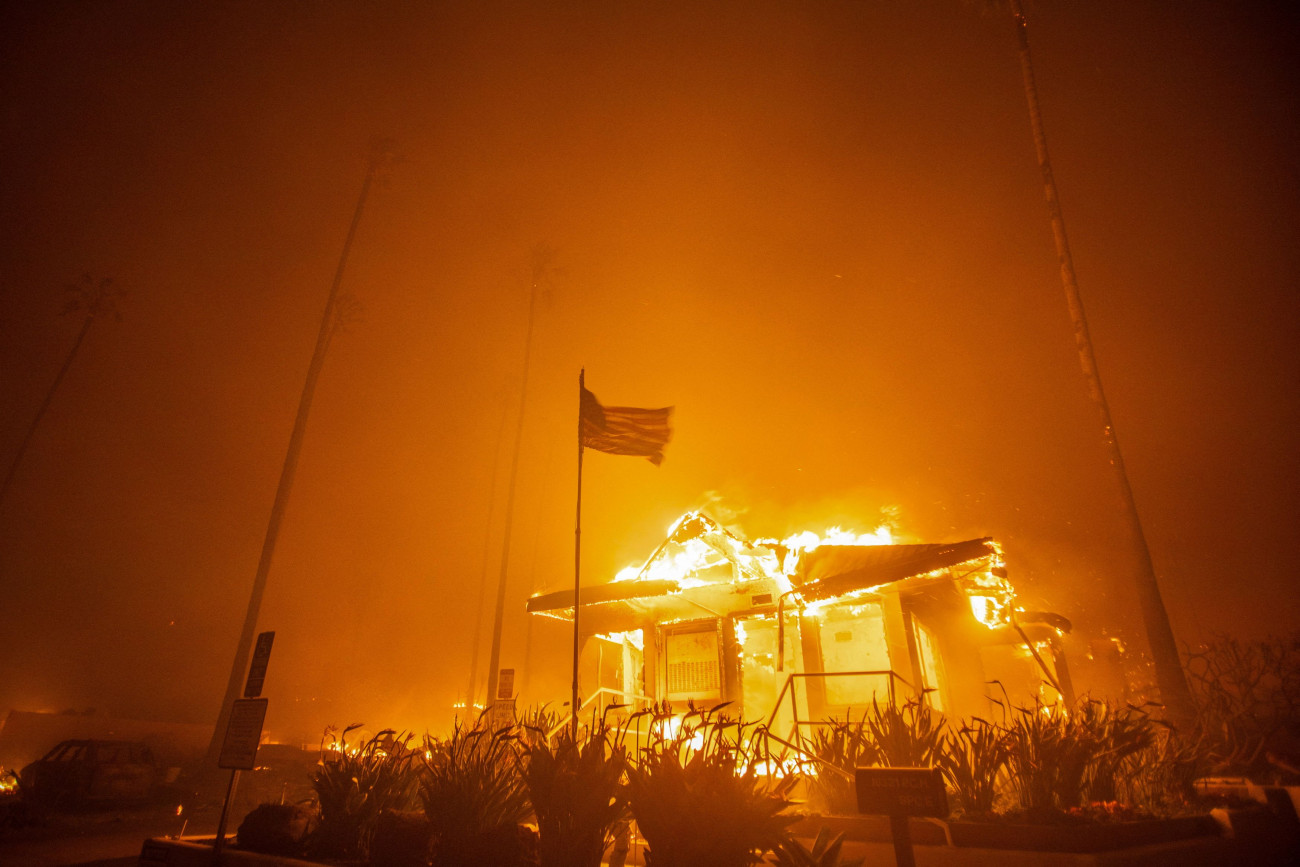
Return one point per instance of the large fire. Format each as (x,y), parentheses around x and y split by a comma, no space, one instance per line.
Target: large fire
(820,621)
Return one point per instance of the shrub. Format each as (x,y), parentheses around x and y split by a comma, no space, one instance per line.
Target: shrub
(1047,758)
(474,798)
(844,745)
(575,793)
(276,829)
(973,759)
(697,798)
(906,737)
(354,784)
(1120,732)
(1248,703)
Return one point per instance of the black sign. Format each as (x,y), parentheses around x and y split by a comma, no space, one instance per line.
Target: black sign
(902,792)
(257,671)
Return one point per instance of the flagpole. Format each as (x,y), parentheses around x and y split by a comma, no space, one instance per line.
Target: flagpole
(577,561)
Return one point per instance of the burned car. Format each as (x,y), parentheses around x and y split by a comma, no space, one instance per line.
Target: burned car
(93,771)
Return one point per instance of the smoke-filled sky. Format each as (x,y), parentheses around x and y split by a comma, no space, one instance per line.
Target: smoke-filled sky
(816,228)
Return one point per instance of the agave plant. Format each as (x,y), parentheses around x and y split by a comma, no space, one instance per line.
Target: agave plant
(973,759)
(825,852)
(474,798)
(698,801)
(574,788)
(355,783)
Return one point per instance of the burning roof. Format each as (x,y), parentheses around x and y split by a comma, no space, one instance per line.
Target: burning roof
(702,569)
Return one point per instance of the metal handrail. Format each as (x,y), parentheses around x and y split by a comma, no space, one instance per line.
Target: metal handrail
(889,674)
(623,696)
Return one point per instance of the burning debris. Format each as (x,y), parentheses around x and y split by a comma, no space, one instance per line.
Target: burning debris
(812,626)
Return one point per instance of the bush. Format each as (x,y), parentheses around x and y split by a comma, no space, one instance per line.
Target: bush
(276,829)
(974,759)
(576,794)
(698,800)
(474,799)
(355,784)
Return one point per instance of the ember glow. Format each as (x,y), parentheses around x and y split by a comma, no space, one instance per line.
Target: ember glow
(816,229)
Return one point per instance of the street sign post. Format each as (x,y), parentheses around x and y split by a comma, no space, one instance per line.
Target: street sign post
(901,793)
(257,670)
(243,734)
(501,714)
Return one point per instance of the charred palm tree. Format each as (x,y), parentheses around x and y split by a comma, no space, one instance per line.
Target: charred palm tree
(1160,637)
(93,299)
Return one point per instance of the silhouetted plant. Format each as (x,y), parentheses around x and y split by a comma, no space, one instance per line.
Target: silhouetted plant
(1248,701)
(1162,778)
(825,852)
(574,788)
(1119,732)
(1047,758)
(906,737)
(474,798)
(973,759)
(354,783)
(698,800)
(846,745)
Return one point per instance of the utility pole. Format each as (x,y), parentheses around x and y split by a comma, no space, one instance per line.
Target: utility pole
(541,262)
(381,157)
(1160,636)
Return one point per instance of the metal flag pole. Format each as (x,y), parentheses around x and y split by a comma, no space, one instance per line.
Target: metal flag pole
(577,561)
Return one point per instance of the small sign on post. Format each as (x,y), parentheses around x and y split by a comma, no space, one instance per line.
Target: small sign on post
(901,793)
(506,683)
(243,734)
(501,714)
(257,670)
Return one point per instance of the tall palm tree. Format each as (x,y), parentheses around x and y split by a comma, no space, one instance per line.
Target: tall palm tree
(338,309)
(93,299)
(1160,636)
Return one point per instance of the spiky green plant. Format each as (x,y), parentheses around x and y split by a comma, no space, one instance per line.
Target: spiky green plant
(1162,778)
(354,783)
(906,737)
(535,723)
(1051,752)
(973,759)
(1119,732)
(574,789)
(473,797)
(698,800)
(845,745)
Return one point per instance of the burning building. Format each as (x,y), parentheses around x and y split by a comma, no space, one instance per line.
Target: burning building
(794,631)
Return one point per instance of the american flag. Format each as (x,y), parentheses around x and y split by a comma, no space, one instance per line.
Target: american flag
(624,430)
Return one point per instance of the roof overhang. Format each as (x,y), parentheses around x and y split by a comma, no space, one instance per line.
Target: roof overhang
(834,570)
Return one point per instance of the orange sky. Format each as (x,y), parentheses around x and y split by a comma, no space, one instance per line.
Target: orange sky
(817,229)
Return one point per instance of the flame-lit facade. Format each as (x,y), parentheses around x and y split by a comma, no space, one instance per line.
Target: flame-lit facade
(804,629)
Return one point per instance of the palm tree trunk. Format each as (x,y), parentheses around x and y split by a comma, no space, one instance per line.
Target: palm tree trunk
(1160,636)
(247,634)
(45,405)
